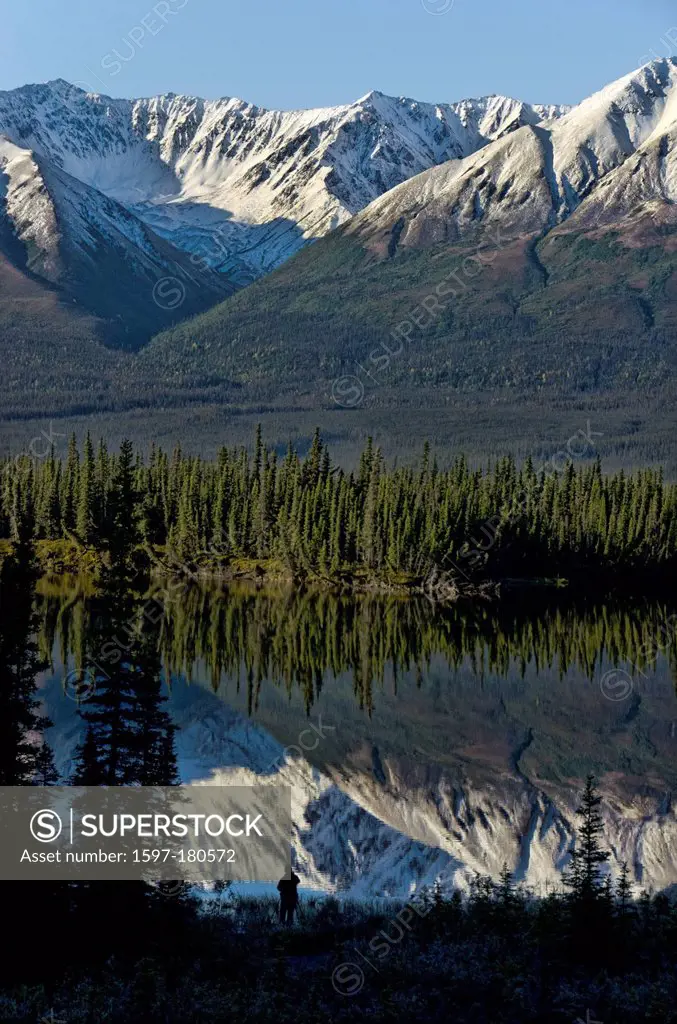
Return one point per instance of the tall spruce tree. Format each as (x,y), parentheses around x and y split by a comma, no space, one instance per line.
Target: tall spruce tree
(130,737)
(86,498)
(585,877)
(123,510)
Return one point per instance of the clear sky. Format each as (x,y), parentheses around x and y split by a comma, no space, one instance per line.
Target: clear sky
(301,53)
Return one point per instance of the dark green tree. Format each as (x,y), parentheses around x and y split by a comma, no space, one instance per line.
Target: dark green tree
(584,876)
(46,773)
(87,492)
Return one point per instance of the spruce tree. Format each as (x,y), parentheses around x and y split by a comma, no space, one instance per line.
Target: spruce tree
(45,768)
(624,890)
(130,737)
(584,876)
(69,485)
(123,532)
(84,526)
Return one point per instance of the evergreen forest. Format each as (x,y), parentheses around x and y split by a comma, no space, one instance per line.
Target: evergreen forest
(308,518)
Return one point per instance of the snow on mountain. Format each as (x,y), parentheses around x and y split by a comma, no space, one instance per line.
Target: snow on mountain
(535,178)
(239,189)
(93,248)
(45,205)
(240,186)
(24,196)
(645,182)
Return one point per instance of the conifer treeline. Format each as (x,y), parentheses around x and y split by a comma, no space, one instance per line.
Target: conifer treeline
(311,515)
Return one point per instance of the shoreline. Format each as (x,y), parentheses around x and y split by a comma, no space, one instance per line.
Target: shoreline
(67,559)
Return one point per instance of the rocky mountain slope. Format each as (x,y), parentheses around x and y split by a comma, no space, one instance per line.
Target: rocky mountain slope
(546,259)
(240,186)
(69,235)
(613,154)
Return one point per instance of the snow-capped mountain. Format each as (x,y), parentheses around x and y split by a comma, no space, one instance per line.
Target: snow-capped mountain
(611,156)
(71,235)
(104,199)
(238,187)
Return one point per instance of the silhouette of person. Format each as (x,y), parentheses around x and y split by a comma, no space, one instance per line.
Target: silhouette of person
(289,898)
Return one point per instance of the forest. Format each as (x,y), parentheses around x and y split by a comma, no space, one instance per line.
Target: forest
(256,511)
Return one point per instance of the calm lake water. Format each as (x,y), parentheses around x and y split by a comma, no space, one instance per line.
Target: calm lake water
(418,740)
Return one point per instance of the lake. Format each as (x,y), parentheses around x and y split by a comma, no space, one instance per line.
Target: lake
(418,739)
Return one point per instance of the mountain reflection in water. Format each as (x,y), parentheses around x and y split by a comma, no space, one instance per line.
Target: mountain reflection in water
(447,735)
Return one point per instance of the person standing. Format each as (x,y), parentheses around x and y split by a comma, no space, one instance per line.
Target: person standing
(289,898)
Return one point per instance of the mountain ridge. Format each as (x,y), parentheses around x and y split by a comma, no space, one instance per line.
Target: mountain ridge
(558,231)
(187,166)
(546,260)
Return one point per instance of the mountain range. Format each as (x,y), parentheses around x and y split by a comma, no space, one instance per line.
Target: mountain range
(469,247)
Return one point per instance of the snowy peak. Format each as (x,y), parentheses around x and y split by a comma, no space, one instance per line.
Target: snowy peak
(633,105)
(227,190)
(603,131)
(537,171)
(240,186)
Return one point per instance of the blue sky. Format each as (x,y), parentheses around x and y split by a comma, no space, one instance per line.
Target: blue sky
(299,53)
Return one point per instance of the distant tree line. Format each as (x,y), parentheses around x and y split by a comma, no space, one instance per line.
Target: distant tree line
(315,518)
